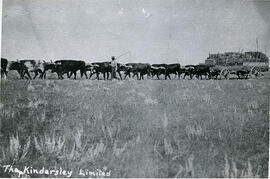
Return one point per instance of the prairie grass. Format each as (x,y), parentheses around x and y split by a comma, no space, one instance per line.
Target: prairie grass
(177,128)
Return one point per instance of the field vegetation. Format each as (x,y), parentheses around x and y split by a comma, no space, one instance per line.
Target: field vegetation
(149,128)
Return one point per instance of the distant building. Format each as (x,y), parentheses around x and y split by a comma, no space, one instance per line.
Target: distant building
(235,58)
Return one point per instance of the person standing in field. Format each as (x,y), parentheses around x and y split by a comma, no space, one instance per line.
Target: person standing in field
(114,67)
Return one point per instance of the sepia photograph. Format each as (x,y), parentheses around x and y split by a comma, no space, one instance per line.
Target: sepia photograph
(134,88)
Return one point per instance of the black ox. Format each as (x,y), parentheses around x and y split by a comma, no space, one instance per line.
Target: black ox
(138,69)
(69,67)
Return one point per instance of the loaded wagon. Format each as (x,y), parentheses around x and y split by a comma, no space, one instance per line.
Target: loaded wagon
(238,65)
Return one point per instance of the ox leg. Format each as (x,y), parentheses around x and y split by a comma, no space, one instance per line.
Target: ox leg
(83,72)
(184,76)
(40,73)
(152,75)
(36,74)
(25,72)
(43,74)
(107,74)
(60,75)
(119,73)
(167,76)
(175,75)
(135,74)
(126,74)
(21,73)
(28,74)
(91,74)
(68,75)
(97,76)
(3,74)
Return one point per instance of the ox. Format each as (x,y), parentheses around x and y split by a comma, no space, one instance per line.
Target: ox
(200,70)
(138,69)
(158,69)
(69,67)
(187,70)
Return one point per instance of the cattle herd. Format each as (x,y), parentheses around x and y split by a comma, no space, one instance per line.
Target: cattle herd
(31,69)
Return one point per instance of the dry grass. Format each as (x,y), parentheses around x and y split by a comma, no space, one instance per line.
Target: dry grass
(137,128)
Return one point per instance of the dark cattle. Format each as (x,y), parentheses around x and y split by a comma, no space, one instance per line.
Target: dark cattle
(4,63)
(200,70)
(123,68)
(138,69)
(187,70)
(158,69)
(35,66)
(101,67)
(129,69)
(48,66)
(174,68)
(69,67)
(19,67)
(214,72)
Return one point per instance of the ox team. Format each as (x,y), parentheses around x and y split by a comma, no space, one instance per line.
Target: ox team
(109,70)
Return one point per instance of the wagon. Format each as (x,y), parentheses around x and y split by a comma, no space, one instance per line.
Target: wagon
(239,71)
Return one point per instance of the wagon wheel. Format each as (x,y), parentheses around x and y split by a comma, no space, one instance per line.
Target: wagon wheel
(254,72)
(225,73)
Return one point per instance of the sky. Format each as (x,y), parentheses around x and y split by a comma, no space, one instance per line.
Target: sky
(152,31)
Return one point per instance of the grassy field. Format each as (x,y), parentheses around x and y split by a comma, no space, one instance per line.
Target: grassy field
(177,128)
